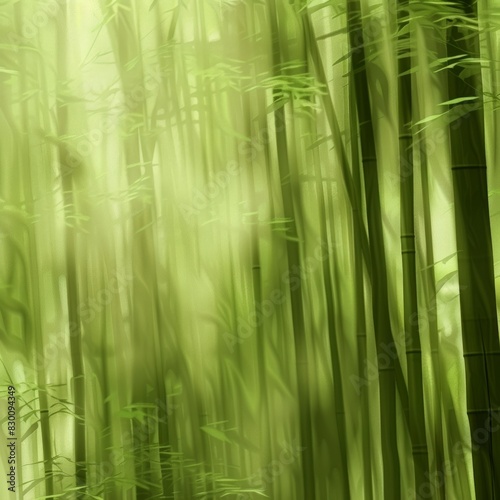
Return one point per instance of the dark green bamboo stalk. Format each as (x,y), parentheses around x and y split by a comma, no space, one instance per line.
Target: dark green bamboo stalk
(335,356)
(347,176)
(292,212)
(381,319)
(335,352)
(361,337)
(475,256)
(411,326)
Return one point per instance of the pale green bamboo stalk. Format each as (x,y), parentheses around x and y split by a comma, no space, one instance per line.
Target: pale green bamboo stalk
(69,182)
(180,95)
(36,339)
(266,441)
(446,426)
(332,312)
(292,212)
(331,116)
(77,362)
(429,283)
(234,48)
(138,151)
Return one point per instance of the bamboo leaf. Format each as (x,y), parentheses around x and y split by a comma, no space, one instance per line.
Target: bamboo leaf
(215,433)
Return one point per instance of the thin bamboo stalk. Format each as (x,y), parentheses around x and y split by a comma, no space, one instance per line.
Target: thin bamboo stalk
(381,318)
(335,351)
(429,284)
(72,273)
(138,148)
(410,311)
(292,212)
(37,336)
(361,336)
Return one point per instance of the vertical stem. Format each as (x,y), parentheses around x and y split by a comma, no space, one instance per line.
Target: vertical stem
(475,255)
(411,326)
(361,336)
(73,299)
(37,337)
(380,304)
(292,212)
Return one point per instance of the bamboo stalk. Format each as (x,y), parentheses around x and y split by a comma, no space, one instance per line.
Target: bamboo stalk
(138,148)
(36,337)
(361,336)
(429,283)
(72,274)
(382,324)
(347,176)
(412,331)
(335,351)
(292,212)
(475,256)
(252,169)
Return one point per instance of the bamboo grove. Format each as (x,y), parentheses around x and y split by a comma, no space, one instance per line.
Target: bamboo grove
(249,249)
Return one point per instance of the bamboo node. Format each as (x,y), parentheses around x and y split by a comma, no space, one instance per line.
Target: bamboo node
(386,369)
(414,351)
(419,449)
(460,167)
(479,411)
